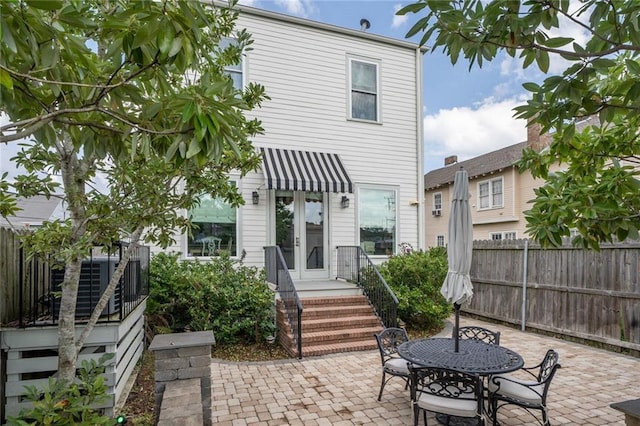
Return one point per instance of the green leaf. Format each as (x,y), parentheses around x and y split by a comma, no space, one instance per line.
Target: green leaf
(531,87)
(176,46)
(557,42)
(45,4)
(5,79)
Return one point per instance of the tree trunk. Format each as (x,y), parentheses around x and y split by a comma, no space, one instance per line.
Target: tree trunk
(67,354)
(72,171)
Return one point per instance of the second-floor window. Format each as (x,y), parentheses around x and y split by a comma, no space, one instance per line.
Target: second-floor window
(437,201)
(364,90)
(234,71)
(490,194)
(440,240)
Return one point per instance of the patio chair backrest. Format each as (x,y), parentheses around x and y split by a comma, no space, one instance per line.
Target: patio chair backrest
(475,332)
(388,341)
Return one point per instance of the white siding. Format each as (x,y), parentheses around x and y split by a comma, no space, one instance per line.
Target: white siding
(304,70)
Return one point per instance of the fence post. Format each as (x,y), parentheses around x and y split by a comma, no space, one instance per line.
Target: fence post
(524,283)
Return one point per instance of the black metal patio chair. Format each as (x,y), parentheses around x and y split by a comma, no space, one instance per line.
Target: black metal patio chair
(528,394)
(475,332)
(444,391)
(388,341)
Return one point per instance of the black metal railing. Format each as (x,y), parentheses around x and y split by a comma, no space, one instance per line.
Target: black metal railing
(278,274)
(355,266)
(38,297)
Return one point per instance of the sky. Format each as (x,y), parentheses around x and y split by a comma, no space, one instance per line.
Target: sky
(466,113)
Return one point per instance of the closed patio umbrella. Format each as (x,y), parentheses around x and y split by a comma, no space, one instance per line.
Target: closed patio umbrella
(457,288)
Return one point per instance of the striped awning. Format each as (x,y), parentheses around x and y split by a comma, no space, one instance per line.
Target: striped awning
(304,171)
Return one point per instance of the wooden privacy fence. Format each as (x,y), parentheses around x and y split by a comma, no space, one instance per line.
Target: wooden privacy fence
(581,293)
(10,280)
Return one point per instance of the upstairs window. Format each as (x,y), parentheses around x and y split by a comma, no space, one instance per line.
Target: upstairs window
(364,90)
(490,194)
(234,71)
(440,241)
(437,201)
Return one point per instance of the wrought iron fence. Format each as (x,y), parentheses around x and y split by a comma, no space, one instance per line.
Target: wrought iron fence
(355,266)
(40,285)
(278,274)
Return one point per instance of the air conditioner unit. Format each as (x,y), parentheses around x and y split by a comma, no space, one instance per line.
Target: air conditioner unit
(436,212)
(94,278)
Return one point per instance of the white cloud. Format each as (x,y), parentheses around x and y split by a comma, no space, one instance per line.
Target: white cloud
(471,131)
(398,20)
(302,8)
(251,3)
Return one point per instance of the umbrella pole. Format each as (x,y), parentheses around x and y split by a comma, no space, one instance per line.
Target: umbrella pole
(456,337)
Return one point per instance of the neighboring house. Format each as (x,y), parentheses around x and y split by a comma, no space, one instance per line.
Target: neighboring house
(33,211)
(342,149)
(499,193)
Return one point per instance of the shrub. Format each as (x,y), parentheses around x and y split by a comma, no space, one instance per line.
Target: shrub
(416,278)
(61,403)
(228,298)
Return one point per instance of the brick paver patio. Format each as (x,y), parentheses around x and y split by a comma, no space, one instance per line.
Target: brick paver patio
(342,389)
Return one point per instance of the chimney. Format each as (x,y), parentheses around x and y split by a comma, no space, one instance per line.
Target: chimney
(452,159)
(535,140)
(364,24)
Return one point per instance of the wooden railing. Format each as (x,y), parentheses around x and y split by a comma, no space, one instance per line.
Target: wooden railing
(355,266)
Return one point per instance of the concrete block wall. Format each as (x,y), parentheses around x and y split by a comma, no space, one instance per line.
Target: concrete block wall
(183,377)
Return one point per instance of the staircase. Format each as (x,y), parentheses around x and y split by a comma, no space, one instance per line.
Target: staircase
(332,324)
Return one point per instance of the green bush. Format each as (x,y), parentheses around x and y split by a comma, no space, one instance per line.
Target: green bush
(61,403)
(228,298)
(416,278)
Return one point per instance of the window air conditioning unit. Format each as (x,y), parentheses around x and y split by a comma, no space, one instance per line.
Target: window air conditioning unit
(94,278)
(436,212)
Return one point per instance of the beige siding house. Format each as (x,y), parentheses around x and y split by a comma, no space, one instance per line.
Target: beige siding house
(342,148)
(499,194)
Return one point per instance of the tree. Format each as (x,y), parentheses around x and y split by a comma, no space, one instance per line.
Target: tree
(597,192)
(130,91)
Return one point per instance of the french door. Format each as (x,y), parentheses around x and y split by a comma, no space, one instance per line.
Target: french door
(300,228)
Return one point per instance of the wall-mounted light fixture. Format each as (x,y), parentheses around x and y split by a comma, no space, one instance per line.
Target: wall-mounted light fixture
(344,202)
(255,197)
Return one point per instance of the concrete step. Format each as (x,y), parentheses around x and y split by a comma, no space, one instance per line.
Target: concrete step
(335,301)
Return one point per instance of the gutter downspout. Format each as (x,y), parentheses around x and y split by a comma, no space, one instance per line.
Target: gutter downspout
(420,150)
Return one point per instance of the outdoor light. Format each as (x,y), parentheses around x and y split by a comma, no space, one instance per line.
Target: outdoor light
(121,420)
(344,202)
(255,197)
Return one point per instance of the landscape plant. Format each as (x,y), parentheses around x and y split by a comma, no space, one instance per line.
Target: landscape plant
(595,196)
(416,276)
(64,403)
(228,298)
(123,110)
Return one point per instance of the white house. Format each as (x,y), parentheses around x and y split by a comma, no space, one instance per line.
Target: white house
(342,148)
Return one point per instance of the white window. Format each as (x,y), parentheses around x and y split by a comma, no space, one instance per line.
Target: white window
(437,201)
(377,217)
(364,90)
(234,70)
(215,228)
(510,236)
(490,194)
(440,240)
(496,236)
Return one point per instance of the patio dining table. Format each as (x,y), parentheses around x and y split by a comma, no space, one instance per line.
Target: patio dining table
(473,356)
